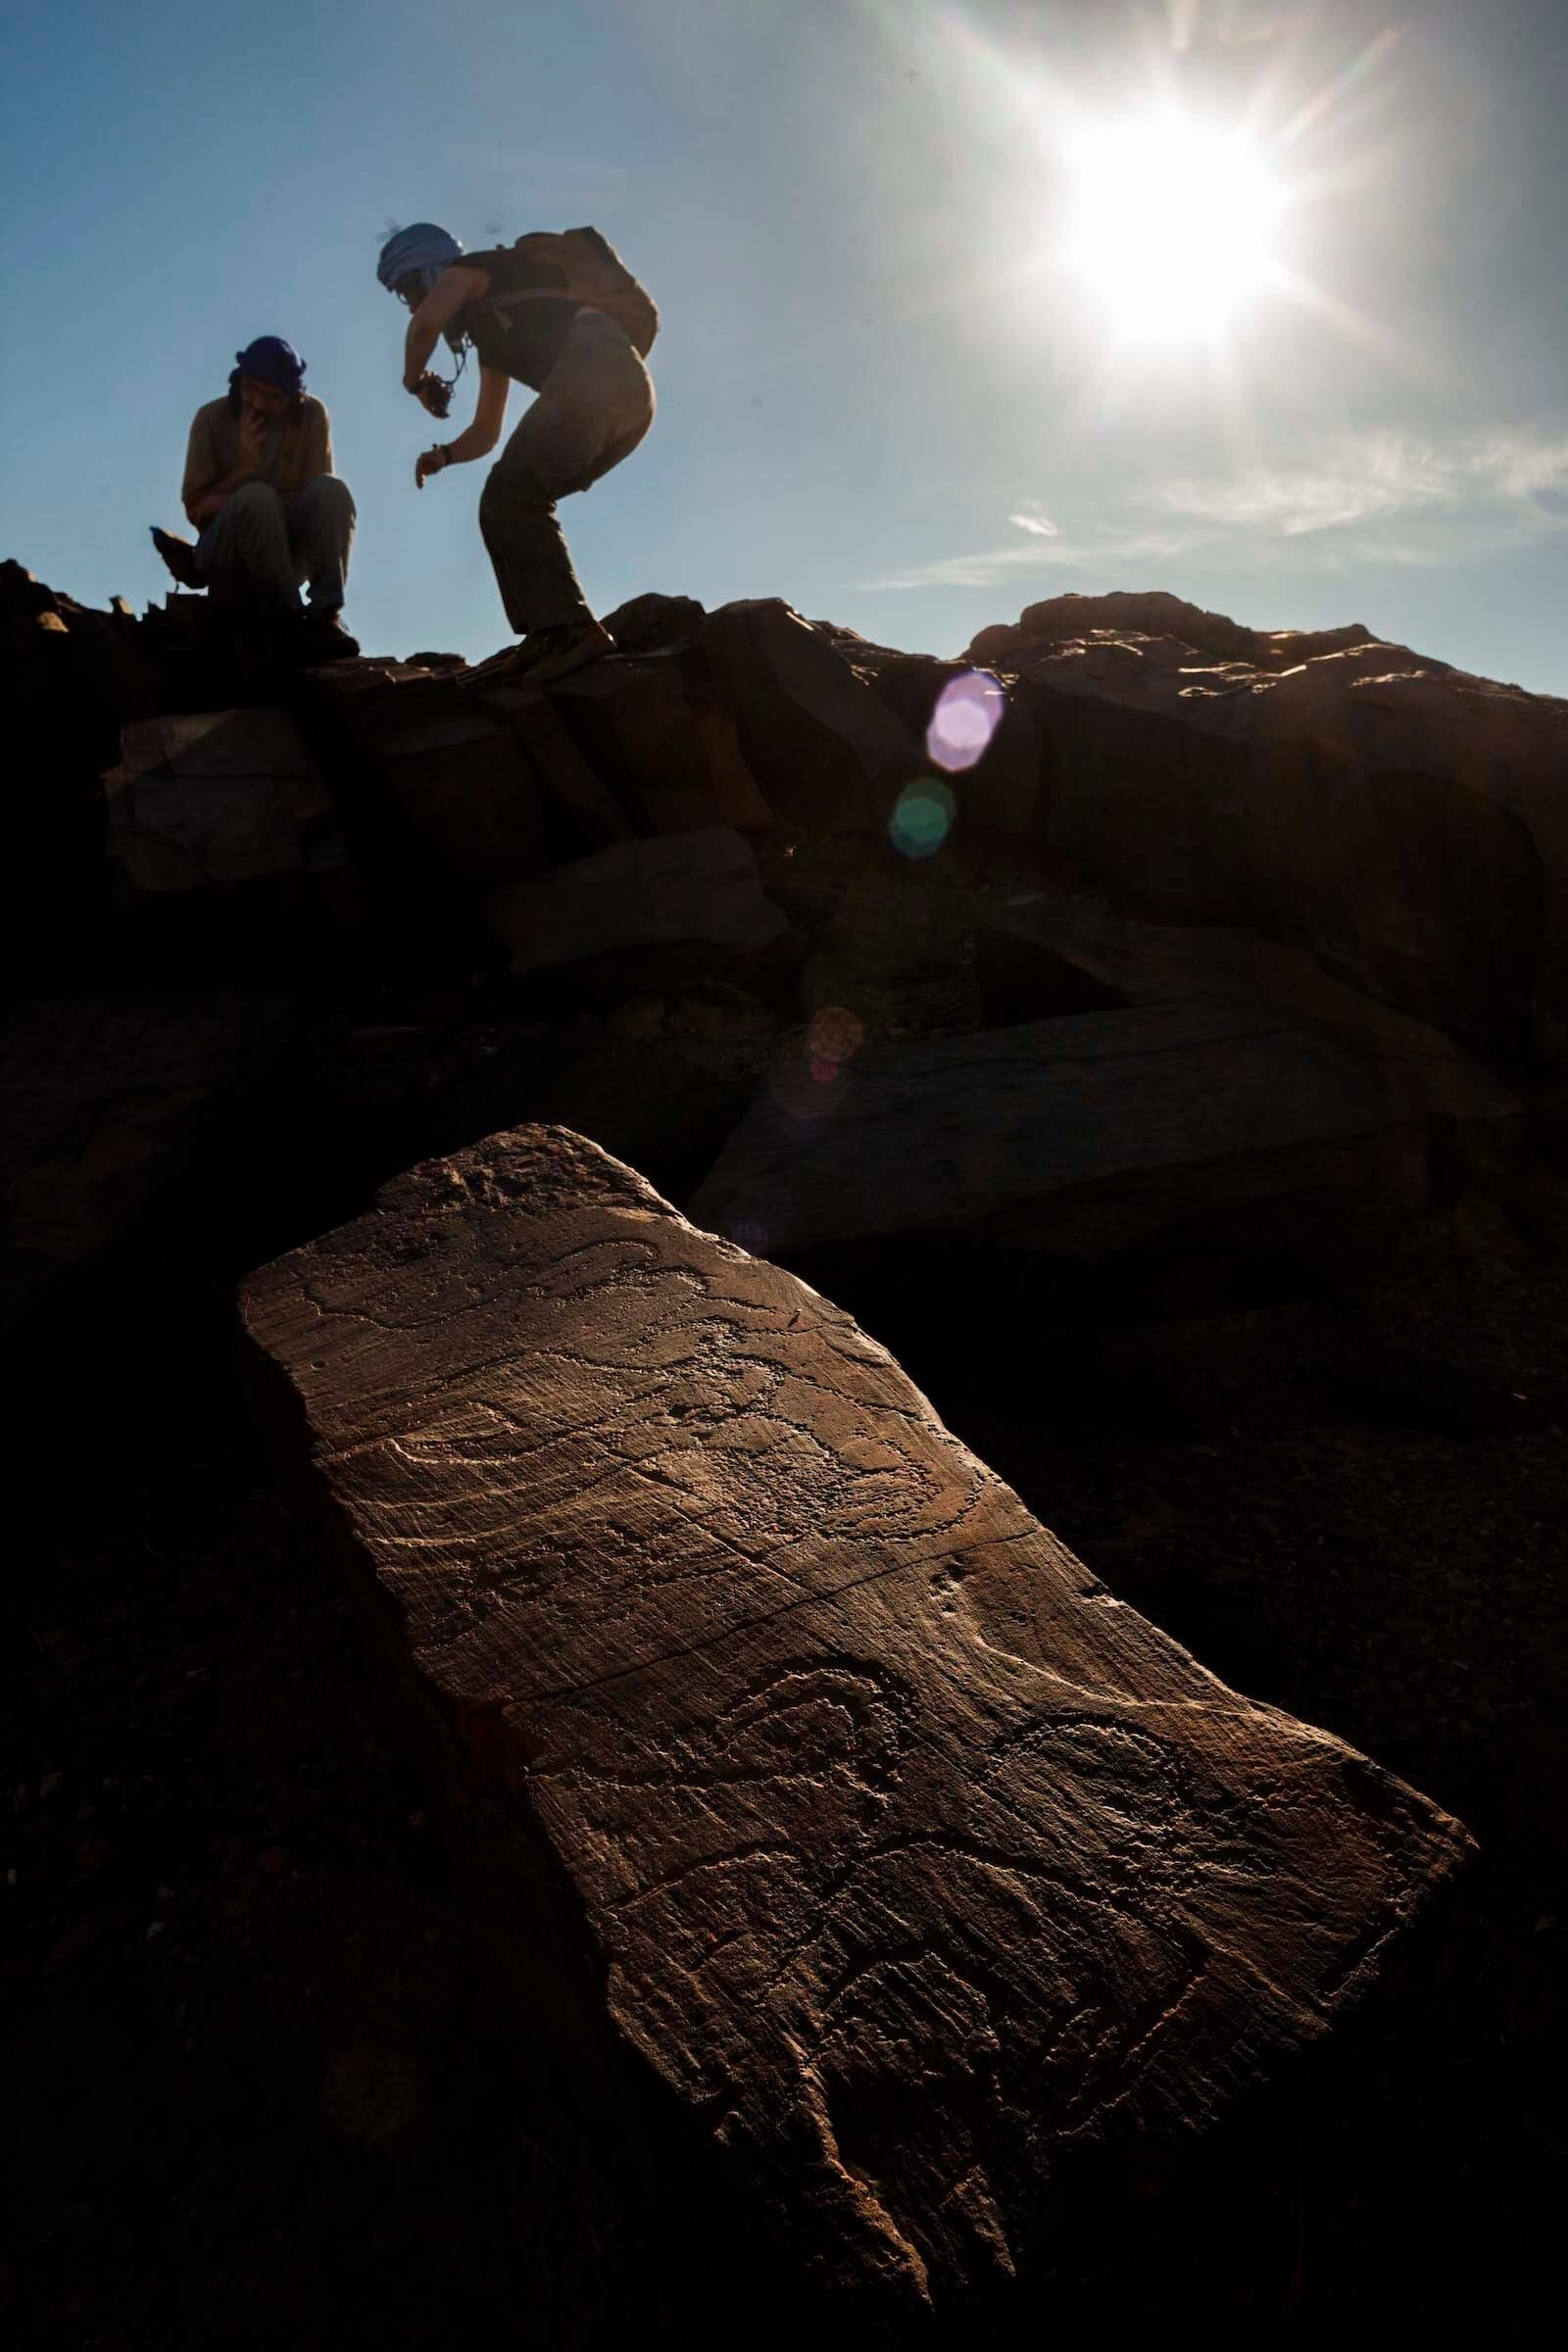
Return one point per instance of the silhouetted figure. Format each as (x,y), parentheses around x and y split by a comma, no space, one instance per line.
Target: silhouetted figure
(259,488)
(562,314)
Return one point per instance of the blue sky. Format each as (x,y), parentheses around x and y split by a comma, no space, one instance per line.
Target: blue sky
(883,393)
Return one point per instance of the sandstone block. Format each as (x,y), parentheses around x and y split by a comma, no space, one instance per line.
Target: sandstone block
(909,1861)
(439,778)
(670,752)
(649,623)
(677,889)
(581,812)
(827,752)
(217,797)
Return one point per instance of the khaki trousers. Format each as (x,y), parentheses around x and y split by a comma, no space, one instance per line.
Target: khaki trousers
(593,408)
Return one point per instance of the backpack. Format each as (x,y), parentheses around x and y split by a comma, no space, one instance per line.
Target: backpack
(597,277)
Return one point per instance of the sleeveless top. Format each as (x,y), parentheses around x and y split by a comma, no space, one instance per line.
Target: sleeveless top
(523,339)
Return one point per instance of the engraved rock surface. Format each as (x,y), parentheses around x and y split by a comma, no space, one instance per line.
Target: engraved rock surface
(912,1859)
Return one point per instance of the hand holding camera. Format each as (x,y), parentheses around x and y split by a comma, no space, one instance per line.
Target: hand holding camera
(433,394)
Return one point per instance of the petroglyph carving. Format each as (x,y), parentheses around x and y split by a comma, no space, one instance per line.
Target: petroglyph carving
(911,1856)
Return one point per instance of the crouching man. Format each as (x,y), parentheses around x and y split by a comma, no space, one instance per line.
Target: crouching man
(260,489)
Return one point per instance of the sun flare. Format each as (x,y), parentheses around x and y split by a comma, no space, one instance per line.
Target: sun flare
(1171,228)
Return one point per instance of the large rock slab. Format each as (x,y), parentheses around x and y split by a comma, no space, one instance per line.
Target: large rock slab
(652,622)
(1106,1135)
(697,890)
(217,797)
(581,812)
(669,751)
(225,852)
(439,780)
(997,775)
(911,1862)
(828,754)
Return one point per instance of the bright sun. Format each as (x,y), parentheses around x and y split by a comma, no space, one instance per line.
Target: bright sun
(1170,227)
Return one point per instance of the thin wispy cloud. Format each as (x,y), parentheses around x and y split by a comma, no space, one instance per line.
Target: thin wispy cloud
(1368,477)
(1378,498)
(987,566)
(1379,477)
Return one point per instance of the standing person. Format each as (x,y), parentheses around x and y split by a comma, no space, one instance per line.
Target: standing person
(259,488)
(562,314)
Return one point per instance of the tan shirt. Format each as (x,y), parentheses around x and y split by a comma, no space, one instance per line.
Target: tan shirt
(294,450)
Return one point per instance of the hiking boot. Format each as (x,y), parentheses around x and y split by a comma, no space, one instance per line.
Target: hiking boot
(550,654)
(324,637)
(500,669)
(542,655)
(181,556)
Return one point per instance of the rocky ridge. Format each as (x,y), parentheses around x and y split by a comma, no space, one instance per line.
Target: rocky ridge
(1134,965)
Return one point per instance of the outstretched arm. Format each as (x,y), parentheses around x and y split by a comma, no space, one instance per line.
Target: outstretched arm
(481,437)
(454,288)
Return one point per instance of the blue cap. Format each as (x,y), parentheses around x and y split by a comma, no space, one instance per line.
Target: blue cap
(271,361)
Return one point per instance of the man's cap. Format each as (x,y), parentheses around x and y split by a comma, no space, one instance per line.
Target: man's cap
(271,361)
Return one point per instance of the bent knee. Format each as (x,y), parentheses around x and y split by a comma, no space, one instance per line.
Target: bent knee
(513,489)
(253,497)
(331,493)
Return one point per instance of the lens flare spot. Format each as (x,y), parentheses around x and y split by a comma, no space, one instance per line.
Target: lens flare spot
(922,817)
(835,1034)
(807,1085)
(969,710)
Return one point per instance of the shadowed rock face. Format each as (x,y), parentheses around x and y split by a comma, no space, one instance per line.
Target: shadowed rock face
(215,798)
(432,771)
(680,891)
(114,1112)
(827,751)
(1406,821)
(911,1861)
(1160,1130)
(669,750)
